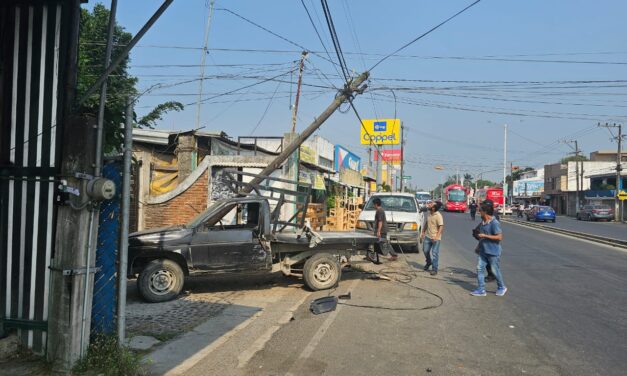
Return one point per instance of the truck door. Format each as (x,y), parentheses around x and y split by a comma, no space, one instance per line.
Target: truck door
(230,240)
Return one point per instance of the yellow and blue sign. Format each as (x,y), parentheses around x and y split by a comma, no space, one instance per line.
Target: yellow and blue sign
(345,159)
(381,132)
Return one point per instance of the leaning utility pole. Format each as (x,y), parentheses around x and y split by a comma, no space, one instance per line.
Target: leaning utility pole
(352,88)
(618,212)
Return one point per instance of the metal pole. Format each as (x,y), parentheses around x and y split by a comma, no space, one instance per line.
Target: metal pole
(126,203)
(202,63)
(504,164)
(103,88)
(618,210)
(124,53)
(577,175)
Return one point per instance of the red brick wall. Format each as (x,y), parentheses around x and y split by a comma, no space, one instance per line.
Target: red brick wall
(179,209)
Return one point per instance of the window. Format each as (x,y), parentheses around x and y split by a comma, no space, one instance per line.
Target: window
(244,215)
(456,195)
(394,203)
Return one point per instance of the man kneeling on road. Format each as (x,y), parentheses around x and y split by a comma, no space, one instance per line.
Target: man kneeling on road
(489,247)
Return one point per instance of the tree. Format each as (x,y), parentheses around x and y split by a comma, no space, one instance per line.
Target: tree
(573,158)
(120,84)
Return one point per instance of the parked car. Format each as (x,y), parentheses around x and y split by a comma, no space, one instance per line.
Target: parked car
(595,213)
(403,215)
(541,213)
(505,210)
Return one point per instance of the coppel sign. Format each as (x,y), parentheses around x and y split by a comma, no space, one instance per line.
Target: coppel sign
(381,132)
(346,159)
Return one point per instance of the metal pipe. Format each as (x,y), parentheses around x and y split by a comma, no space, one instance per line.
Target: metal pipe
(126,203)
(90,242)
(103,89)
(124,53)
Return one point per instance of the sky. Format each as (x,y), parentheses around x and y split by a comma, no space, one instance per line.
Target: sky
(550,70)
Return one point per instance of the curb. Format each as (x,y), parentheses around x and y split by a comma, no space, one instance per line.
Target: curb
(575,234)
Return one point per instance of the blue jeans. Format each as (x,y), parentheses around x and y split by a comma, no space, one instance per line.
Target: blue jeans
(482,261)
(431,249)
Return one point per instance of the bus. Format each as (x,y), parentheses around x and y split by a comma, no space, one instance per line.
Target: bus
(455,198)
(493,193)
(423,197)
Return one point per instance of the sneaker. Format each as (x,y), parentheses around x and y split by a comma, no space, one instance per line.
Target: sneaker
(426,267)
(434,272)
(501,292)
(478,292)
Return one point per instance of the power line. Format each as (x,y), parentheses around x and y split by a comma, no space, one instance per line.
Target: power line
(424,34)
(266,110)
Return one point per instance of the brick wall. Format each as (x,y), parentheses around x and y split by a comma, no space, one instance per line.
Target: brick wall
(179,209)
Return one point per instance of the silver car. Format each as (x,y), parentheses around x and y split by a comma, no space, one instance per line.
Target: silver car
(595,213)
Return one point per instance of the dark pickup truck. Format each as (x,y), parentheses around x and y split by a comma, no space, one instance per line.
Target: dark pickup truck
(238,235)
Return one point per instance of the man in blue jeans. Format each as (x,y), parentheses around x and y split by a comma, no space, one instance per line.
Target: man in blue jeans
(489,250)
(431,236)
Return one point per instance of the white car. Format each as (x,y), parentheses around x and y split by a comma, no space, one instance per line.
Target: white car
(505,210)
(402,214)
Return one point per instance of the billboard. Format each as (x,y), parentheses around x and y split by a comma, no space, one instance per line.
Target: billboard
(381,132)
(528,188)
(345,159)
(392,156)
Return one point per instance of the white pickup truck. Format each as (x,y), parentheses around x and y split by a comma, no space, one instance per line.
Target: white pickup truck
(402,214)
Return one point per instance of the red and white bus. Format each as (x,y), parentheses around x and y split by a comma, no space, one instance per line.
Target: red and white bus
(455,198)
(490,193)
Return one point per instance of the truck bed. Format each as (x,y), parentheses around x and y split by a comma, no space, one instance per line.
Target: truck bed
(328,240)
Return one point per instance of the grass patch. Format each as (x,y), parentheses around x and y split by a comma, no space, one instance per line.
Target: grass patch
(105,357)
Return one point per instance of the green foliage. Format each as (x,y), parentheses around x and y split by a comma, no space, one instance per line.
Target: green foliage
(105,357)
(150,119)
(573,158)
(120,84)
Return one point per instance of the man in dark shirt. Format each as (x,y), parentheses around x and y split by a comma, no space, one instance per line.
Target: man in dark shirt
(473,209)
(381,231)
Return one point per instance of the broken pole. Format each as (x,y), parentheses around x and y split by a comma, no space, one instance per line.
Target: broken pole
(353,87)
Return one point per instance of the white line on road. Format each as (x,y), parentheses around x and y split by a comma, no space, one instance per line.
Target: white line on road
(315,340)
(246,355)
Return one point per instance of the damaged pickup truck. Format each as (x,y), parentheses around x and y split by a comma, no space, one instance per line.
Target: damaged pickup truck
(242,234)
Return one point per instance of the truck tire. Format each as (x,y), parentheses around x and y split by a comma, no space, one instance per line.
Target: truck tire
(161,280)
(322,271)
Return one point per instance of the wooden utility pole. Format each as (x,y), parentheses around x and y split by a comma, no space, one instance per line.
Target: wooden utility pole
(402,160)
(576,153)
(303,56)
(350,90)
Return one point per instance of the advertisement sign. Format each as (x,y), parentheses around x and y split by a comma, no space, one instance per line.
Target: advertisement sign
(392,156)
(528,188)
(345,159)
(308,155)
(381,132)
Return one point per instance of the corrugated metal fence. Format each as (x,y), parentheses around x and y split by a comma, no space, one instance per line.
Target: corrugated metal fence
(31,37)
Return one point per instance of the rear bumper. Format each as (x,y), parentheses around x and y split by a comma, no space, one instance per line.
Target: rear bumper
(603,216)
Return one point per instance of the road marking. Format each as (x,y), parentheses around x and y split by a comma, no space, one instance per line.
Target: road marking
(203,353)
(245,356)
(315,340)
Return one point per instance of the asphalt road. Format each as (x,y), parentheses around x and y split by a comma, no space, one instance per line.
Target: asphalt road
(563,315)
(610,229)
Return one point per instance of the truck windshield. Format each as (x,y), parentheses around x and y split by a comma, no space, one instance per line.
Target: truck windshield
(394,203)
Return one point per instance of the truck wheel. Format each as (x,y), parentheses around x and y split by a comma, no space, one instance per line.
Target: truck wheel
(322,271)
(160,281)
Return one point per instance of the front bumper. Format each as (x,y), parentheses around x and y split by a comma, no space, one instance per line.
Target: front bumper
(409,238)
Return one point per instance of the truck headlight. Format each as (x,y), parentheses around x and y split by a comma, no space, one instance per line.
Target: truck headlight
(410,226)
(362,225)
